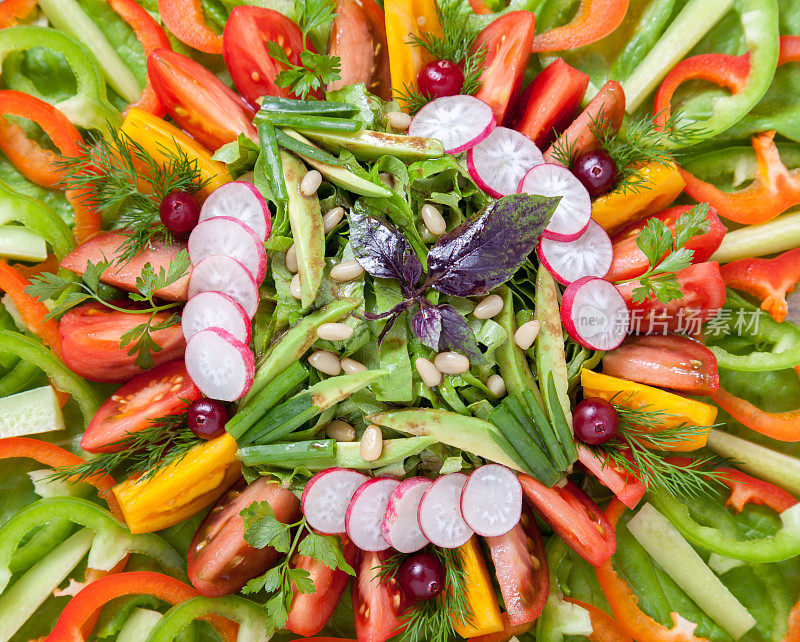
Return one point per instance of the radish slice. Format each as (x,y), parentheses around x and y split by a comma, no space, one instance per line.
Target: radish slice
(326,497)
(228,236)
(499,163)
(439,513)
(220,365)
(574,211)
(400,526)
(226,275)
(240,200)
(594,313)
(491,502)
(460,122)
(364,515)
(588,255)
(215,310)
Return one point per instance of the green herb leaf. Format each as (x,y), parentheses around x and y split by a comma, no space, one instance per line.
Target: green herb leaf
(692,223)
(301,578)
(48,286)
(262,528)
(314,13)
(325,549)
(654,241)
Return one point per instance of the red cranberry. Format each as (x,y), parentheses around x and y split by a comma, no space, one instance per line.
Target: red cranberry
(207,418)
(440,78)
(595,421)
(179,212)
(597,171)
(421,576)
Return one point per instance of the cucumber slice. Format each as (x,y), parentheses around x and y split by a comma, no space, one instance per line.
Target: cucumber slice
(17,242)
(30,412)
(139,625)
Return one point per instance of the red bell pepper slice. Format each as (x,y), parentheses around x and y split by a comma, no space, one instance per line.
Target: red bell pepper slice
(769,280)
(604,627)
(11,11)
(151,36)
(595,19)
(793,634)
(185,19)
(95,595)
(783,426)
(624,603)
(749,490)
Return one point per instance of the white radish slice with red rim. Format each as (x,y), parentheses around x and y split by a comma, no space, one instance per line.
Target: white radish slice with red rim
(499,163)
(573,213)
(220,365)
(226,275)
(228,236)
(400,527)
(439,513)
(326,497)
(240,200)
(215,310)
(364,515)
(590,254)
(460,122)
(491,501)
(594,313)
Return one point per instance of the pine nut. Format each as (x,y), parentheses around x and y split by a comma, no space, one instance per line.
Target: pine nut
(398,120)
(334,331)
(325,361)
(451,363)
(294,287)
(387,179)
(332,218)
(340,431)
(489,307)
(371,443)
(433,219)
(291,259)
(351,366)
(428,372)
(347,271)
(496,385)
(310,183)
(526,334)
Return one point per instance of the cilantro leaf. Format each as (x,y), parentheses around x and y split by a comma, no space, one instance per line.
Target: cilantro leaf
(269,581)
(262,528)
(47,286)
(692,223)
(325,549)
(676,261)
(654,241)
(316,71)
(277,610)
(314,13)
(301,578)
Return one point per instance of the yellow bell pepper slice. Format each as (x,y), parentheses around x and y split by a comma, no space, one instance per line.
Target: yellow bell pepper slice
(480,594)
(615,210)
(154,133)
(181,489)
(405,18)
(678,410)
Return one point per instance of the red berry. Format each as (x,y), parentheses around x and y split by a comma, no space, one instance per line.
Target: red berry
(179,212)
(597,171)
(595,421)
(440,78)
(421,576)
(207,418)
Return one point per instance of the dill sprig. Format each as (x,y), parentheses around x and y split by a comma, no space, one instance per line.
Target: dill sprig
(117,174)
(433,620)
(165,441)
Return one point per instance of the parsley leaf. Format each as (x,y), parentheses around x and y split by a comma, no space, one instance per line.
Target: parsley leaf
(655,240)
(317,70)
(326,549)
(263,529)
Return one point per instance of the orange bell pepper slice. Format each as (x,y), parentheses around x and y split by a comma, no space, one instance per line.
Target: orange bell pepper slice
(32,311)
(793,634)
(604,627)
(783,426)
(185,19)
(595,19)
(12,11)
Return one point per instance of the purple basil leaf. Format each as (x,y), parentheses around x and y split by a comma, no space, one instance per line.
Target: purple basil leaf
(485,251)
(456,334)
(427,324)
(383,251)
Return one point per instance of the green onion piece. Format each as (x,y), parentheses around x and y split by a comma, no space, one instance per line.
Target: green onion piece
(560,421)
(304,149)
(294,106)
(548,430)
(310,121)
(292,454)
(272,156)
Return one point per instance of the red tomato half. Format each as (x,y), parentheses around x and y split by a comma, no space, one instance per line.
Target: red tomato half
(358,37)
(629,261)
(252,68)
(90,338)
(376,605)
(220,561)
(311,611)
(508,41)
(164,390)
(574,517)
(668,361)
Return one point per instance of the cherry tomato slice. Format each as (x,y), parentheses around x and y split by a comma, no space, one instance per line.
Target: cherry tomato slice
(164,390)
(90,341)
(377,605)
(220,561)
(668,361)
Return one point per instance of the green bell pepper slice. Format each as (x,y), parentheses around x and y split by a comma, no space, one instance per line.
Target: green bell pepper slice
(251,618)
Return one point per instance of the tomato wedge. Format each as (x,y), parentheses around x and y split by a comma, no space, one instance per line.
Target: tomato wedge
(376,604)
(574,517)
(252,68)
(90,341)
(669,361)
(310,612)
(220,561)
(625,486)
(508,41)
(164,390)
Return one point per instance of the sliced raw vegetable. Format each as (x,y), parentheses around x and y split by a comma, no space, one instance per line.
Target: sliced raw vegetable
(365,513)
(219,364)
(226,275)
(326,497)
(30,412)
(491,501)
(227,236)
(240,200)
(215,310)
(439,512)
(460,122)
(594,313)
(400,527)
(499,162)
(573,213)
(17,242)
(590,254)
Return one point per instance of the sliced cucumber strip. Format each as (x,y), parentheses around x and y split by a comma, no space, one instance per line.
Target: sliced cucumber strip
(139,625)
(30,412)
(17,242)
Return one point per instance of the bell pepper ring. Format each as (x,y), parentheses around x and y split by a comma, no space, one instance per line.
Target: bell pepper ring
(33,312)
(604,627)
(783,426)
(185,19)
(593,20)
(246,614)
